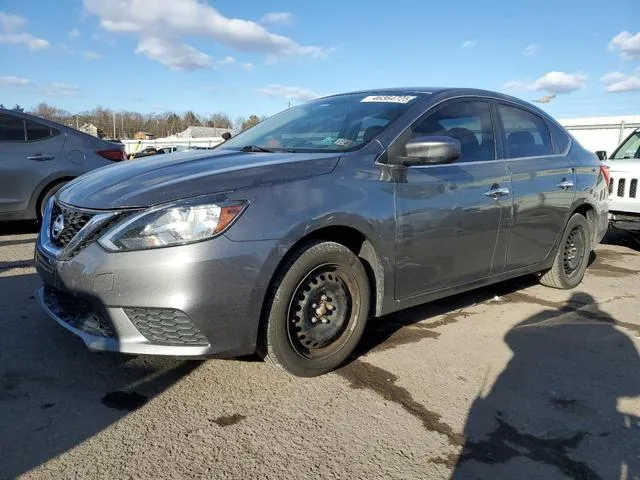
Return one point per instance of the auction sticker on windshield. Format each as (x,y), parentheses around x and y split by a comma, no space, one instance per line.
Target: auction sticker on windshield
(388,98)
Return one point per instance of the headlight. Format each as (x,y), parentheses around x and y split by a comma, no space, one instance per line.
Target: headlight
(177,224)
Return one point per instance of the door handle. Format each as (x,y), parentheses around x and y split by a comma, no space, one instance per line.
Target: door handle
(565,184)
(40,157)
(497,192)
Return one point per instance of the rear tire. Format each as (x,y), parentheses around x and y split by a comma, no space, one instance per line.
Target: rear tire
(45,197)
(316,311)
(572,256)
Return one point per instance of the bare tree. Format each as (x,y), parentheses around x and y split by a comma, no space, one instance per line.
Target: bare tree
(253,120)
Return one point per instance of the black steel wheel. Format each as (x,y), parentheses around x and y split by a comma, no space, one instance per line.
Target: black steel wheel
(317,310)
(572,257)
(573,250)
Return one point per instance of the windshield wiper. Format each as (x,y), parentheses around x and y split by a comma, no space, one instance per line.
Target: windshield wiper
(255,148)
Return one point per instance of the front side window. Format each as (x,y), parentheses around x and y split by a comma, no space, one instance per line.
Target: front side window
(467,122)
(334,124)
(36,131)
(11,128)
(629,149)
(527,134)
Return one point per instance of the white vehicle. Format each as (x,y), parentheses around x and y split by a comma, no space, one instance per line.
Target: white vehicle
(624,195)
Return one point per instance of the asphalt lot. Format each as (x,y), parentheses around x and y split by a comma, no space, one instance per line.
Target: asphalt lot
(512,381)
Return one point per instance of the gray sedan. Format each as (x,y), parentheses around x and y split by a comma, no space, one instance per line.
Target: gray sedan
(37,157)
(288,237)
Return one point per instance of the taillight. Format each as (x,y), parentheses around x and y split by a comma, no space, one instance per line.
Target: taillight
(604,169)
(113,154)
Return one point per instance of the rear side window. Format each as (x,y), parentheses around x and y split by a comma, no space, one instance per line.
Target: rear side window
(469,122)
(527,134)
(11,128)
(560,137)
(36,131)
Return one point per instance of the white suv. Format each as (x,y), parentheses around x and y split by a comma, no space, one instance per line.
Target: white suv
(624,194)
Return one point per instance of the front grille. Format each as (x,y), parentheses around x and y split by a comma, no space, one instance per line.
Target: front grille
(621,184)
(610,186)
(77,312)
(72,220)
(166,326)
(633,188)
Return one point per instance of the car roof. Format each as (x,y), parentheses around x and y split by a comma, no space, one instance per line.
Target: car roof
(449,92)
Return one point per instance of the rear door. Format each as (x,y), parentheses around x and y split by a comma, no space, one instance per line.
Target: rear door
(28,150)
(449,216)
(543,183)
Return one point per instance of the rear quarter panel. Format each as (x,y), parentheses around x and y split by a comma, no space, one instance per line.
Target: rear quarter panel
(591,188)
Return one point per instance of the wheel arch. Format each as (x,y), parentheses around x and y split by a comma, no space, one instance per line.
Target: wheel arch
(350,237)
(42,190)
(589,212)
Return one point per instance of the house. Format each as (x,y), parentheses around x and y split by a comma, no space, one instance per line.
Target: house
(91,129)
(144,136)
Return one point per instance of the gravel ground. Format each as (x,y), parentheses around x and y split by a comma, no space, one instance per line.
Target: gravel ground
(512,381)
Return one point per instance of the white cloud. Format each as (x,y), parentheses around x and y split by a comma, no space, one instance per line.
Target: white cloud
(58,89)
(546,98)
(469,43)
(13,81)
(620,82)
(176,56)
(561,82)
(628,44)
(277,18)
(227,61)
(32,43)
(291,93)
(553,82)
(74,33)
(91,55)
(171,20)
(247,66)
(531,50)
(11,23)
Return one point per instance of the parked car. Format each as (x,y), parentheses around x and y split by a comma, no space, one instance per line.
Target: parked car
(288,237)
(624,196)
(37,157)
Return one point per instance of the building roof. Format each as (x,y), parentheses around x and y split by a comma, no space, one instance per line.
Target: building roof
(199,132)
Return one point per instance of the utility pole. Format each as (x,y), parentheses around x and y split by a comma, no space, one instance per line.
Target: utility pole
(122,125)
(114,126)
(77,128)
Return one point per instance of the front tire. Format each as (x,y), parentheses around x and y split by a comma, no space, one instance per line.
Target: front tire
(45,197)
(317,310)
(572,256)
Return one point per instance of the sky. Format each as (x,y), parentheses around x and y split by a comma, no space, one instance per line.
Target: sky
(578,58)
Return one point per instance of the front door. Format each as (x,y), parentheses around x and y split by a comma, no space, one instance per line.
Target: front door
(28,152)
(543,184)
(449,216)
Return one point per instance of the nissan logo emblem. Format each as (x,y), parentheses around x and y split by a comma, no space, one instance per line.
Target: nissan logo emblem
(57,227)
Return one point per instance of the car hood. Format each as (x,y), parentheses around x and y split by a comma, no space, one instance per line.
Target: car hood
(630,165)
(165,178)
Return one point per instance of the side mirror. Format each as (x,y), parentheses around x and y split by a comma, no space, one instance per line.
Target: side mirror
(601,154)
(431,150)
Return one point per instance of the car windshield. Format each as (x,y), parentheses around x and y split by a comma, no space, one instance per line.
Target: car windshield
(629,149)
(333,124)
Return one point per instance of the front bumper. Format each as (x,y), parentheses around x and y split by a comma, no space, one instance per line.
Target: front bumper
(625,221)
(195,300)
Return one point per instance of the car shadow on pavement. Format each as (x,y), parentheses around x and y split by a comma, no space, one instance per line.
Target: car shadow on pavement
(621,238)
(558,408)
(388,332)
(18,227)
(54,393)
